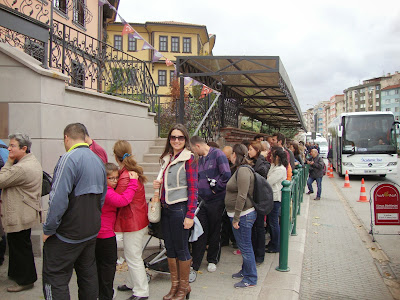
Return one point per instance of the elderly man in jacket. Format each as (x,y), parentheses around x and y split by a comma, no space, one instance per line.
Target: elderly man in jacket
(21,184)
(316,173)
(73,220)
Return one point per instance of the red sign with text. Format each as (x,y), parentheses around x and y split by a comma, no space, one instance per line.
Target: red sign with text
(387,205)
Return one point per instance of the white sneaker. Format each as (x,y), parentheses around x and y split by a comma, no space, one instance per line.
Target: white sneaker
(212,267)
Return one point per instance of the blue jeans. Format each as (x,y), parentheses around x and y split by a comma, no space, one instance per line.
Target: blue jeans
(275,229)
(243,240)
(176,238)
(310,181)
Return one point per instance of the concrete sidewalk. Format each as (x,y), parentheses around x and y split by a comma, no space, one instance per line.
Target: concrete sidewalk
(337,262)
(218,285)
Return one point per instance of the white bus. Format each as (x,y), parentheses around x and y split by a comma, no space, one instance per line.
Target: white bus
(364,143)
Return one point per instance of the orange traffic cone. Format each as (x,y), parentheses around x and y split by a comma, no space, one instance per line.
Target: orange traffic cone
(330,171)
(347,180)
(363,194)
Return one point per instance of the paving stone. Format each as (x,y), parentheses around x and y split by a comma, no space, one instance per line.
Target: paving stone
(336,263)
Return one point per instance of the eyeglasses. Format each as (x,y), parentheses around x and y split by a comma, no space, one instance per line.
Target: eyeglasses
(180,138)
(112,178)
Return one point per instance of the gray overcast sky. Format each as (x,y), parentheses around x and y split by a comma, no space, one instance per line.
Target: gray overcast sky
(325,46)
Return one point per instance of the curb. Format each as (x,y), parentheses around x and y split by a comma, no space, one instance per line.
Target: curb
(286,285)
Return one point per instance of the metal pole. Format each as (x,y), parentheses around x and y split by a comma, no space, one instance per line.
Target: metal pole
(206,115)
(295,197)
(181,99)
(285,225)
(159,115)
(63,51)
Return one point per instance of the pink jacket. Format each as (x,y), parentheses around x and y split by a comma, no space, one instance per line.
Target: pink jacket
(112,202)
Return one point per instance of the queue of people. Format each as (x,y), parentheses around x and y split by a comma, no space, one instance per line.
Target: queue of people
(92,199)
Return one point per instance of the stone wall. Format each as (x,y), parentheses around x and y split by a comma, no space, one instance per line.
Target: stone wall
(38,102)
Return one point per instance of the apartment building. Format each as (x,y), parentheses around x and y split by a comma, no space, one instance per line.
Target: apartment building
(308,117)
(390,79)
(391,100)
(320,117)
(363,97)
(171,39)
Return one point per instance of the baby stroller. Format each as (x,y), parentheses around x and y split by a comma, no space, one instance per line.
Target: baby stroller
(157,261)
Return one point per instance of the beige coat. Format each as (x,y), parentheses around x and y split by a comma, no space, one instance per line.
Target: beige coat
(21,186)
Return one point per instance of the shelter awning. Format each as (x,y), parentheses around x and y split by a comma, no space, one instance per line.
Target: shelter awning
(260,83)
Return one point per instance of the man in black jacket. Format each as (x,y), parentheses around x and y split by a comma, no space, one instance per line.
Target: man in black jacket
(316,173)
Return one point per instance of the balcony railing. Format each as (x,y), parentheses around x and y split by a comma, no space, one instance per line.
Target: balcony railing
(90,63)
(36,9)
(95,65)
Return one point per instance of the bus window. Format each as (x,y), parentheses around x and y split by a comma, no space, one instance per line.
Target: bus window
(370,134)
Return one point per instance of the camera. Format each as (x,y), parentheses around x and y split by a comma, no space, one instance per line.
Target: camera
(212,182)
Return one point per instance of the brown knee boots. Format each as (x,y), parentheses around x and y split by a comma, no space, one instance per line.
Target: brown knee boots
(184,287)
(173,270)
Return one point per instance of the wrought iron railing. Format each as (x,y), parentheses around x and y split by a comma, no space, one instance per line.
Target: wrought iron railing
(31,46)
(222,112)
(39,10)
(90,63)
(95,65)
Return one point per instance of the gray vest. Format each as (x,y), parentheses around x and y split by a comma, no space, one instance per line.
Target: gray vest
(175,181)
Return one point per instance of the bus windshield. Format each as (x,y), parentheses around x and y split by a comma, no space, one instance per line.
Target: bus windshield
(368,134)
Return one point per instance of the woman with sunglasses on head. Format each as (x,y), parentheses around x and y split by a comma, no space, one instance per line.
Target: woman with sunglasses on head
(179,202)
(132,221)
(242,214)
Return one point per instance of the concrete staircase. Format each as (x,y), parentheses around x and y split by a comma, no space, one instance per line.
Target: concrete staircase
(151,165)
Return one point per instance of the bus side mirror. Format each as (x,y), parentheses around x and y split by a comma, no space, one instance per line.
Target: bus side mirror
(340,131)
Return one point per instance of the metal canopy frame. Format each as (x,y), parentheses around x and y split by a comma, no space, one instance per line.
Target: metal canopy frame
(259,83)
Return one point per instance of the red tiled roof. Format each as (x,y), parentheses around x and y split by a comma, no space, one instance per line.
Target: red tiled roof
(391,87)
(174,23)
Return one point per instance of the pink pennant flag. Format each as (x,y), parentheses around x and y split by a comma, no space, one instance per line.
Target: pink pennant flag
(102,2)
(187,80)
(168,62)
(147,46)
(112,7)
(156,56)
(195,82)
(127,29)
(136,35)
(122,19)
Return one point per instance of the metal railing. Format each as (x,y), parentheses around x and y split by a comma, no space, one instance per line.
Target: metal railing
(90,63)
(204,117)
(36,9)
(292,197)
(95,65)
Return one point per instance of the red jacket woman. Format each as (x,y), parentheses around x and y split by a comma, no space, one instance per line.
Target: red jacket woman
(132,217)
(132,221)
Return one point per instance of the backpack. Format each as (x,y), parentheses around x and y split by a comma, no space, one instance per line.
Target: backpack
(263,197)
(46,184)
(324,172)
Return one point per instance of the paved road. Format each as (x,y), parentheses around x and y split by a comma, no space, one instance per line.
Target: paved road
(337,263)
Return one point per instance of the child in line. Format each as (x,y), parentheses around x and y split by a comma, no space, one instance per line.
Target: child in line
(106,243)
